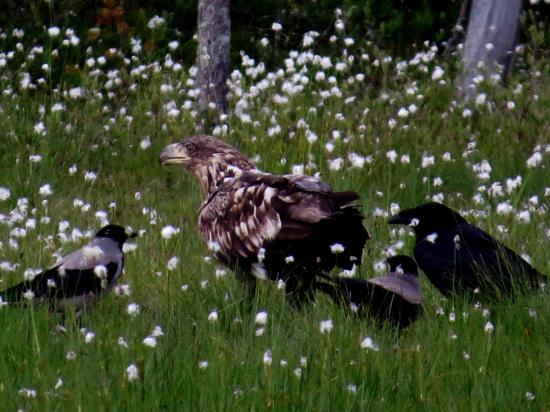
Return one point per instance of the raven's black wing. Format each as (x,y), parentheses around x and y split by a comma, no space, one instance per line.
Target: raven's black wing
(465,258)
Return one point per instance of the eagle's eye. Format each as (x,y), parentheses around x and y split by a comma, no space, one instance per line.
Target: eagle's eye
(190,148)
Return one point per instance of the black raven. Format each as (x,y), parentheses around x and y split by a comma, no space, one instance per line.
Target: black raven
(268,226)
(79,278)
(394,297)
(460,258)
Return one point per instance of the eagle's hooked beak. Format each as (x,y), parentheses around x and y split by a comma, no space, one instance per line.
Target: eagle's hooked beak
(174,153)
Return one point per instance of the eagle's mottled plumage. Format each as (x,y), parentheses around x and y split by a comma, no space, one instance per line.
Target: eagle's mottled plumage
(270,226)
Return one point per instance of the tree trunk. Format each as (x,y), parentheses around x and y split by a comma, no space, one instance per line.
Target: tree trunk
(490,40)
(214,35)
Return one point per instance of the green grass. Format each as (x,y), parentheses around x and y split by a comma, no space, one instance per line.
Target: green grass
(436,364)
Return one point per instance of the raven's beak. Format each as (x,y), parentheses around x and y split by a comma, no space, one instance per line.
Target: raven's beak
(133,234)
(174,153)
(399,219)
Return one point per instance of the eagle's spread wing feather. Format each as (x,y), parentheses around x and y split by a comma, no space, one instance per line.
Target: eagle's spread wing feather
(239,218)
(260,210)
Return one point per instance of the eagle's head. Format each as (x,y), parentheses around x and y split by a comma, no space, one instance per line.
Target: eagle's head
(210,159)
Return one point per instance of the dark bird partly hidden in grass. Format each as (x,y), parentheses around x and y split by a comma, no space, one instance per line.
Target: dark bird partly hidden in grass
(460,258)
(267,226)
(79,278)
(394,297)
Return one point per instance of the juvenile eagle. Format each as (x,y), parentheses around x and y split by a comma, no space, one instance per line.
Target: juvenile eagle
(267,226)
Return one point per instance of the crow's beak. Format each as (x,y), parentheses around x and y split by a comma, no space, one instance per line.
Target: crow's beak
(132,235)
(174,153)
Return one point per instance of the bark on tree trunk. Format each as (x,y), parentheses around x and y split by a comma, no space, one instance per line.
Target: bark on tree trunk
(490,40)
(214,35)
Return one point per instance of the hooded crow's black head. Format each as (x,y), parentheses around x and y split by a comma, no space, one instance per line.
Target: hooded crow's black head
(115,232)
(402,264)
(427,219)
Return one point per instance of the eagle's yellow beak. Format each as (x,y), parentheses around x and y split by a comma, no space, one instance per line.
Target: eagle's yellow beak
(174,153)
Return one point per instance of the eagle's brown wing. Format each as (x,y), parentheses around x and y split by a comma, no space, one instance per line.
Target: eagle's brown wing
(288,215)
(239,218)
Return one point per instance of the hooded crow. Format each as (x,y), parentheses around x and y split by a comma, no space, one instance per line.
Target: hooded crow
(79,278)
(460,258)
(394,297)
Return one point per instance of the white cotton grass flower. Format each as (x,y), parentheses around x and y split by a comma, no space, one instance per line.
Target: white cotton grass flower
(534,160)
(155,22)
(122,342)
(133,309)
(45,190)
(132,372)
(214,246)
(27,392)
(89,337)
(326,326)
(157,331)
(437,73)
(150,341)
(35,158)
(76,92)
(489,327)
(145,143)
(203,364)
(432,237)
(337,248)
(90,176)
(427,161)
(168,231)
(267,358)
(100,271)
(335,164)
(4,194)
(129,247)
(53,31)
(30,274)
(369,344)
(504,208)
(261,318)
(173,263)
(28,295)
(276,27)
(391,155)
(213,316)
(352,388)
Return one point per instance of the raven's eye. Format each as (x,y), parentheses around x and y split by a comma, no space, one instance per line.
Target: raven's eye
(190,148)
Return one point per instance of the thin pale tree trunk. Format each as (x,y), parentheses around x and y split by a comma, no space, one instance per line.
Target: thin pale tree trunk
(213,54)
(490,40)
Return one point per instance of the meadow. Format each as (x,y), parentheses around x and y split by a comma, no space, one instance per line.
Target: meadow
(178,334)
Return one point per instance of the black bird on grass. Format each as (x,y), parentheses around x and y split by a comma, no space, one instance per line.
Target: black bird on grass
(79,278)
(394,297)
(267,226)
(460,258)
